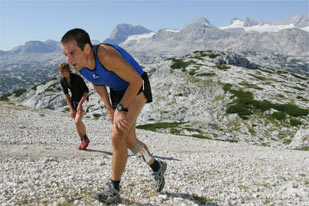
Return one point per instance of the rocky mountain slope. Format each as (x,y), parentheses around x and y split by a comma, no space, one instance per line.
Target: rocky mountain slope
(40,165)
(209,95)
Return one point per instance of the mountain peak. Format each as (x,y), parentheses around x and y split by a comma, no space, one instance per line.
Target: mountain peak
(202,20)
(123,31)
(250,22)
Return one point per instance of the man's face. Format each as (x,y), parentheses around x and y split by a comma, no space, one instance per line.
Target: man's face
(74,55)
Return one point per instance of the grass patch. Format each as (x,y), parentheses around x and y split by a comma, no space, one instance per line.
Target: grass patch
(295,122)
(291,109)
(64,204)
(96,116)
(5,97)
(253,86)
(209,74)
(53,87)
(299,77)
(243,187)
(180,64)
(200,136)
(66,110)
(223,67)
(302,98)
(305,148)
(19,92)
(160,125)
(242,104)
(245,103)
(298,88)
(227,87)
(200,200)
(259,77)
(208,53)
(268,70)
(279,115)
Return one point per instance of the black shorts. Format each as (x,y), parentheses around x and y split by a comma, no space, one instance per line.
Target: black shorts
(116,95)
(74,104)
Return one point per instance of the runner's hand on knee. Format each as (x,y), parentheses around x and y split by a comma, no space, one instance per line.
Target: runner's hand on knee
(73,113)
(120,121)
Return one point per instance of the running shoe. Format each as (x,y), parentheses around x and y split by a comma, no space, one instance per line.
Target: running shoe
(84,144)
(109,196)
(159,177)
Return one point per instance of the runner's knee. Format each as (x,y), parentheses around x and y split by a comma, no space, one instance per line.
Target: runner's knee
(117,137)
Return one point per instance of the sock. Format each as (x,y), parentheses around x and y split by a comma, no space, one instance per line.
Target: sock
(85,136)
(116,184)
(155,166)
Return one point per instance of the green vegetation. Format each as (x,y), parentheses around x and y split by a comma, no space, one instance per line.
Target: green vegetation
(223,67)
(64,204)
(208,53)
(53,87)
(245,104)
(268,70)
(19,92)
(161,125)
(295,122)
(253,86)
(201,136)
(299,77)
(200,200)
(5,97)
(279,115)
(180,64)
(96,116)
(209,74)
(305,148)
(66,110)
(227,87)
(42,83)
(298,88)
(259,77)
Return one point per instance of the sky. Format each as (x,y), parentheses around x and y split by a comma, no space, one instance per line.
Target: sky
(26,20)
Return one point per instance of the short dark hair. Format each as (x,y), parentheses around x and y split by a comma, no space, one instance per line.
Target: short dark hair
(79,35)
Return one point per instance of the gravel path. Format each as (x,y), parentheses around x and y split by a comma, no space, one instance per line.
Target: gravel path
(40,165)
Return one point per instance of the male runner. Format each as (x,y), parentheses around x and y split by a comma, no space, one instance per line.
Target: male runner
(108,65)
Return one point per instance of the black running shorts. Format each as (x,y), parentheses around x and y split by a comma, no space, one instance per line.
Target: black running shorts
(116,95)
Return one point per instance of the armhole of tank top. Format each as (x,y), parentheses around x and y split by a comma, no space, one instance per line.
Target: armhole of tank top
(95,50)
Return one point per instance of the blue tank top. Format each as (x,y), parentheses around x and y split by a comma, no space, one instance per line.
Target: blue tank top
(101,76)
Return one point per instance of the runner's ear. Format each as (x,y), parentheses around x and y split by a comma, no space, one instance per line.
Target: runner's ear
(87,48)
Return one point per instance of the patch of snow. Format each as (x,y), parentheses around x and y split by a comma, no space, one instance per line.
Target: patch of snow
(172,30)
(260,28)
(140,36)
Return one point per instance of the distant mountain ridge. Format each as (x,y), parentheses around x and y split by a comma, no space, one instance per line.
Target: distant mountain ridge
(123,31)
(35,47)
(282,45)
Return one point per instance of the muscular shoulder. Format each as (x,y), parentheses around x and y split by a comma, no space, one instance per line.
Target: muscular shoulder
(108,55)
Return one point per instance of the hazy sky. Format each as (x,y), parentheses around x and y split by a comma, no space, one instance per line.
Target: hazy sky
(25,20)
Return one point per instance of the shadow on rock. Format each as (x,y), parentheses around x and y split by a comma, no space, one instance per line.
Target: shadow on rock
(93,150)
(202,201)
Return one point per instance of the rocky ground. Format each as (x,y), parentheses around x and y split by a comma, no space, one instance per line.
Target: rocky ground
(40,165)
